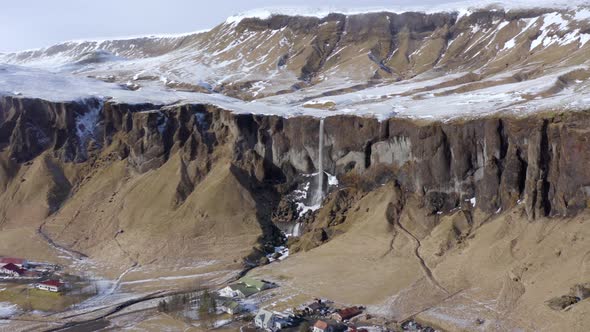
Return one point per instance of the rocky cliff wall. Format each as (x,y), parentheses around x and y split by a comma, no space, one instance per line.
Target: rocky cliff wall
(539,160)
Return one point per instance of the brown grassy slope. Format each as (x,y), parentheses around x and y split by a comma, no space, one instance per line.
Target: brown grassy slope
(500,268)
(122,218)
(360,266)
(29,192)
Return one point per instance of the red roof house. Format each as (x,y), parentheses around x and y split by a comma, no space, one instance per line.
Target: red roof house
(12,269)
(51,285)
(11,260)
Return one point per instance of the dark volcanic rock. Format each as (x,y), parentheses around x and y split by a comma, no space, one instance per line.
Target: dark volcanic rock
(501,161)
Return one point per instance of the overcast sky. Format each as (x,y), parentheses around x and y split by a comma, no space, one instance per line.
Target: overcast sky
(26,24)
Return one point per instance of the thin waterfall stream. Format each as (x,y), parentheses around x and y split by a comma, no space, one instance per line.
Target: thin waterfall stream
(318,193)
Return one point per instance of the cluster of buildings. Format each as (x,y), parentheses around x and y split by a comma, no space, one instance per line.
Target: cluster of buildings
(321,315)
(332,320)
(20,269)
(14,268)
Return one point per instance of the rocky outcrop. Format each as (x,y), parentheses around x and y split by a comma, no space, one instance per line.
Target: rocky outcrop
(30,126)
(494,163)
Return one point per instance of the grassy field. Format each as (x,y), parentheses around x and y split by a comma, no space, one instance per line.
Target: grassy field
(34,299)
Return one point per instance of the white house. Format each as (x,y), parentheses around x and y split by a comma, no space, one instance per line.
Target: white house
(265,320)
(230,291)
(51,286)
(239,290)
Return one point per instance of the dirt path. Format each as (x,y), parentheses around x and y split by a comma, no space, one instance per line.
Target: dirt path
(70,252)
(427,272)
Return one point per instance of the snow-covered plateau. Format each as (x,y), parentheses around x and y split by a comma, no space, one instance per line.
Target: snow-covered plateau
(462,60)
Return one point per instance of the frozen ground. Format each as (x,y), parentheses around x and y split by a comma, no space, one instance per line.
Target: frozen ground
(380,101)
(8,310)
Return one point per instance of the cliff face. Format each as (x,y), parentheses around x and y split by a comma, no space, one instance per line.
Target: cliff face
(537,160)
(161,187)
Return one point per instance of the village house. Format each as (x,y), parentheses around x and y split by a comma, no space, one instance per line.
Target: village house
(259,285)
(321,326)
(282,322)
(16,261)
(51,286)
(346,314)
(240,291)
(12,270)
(243,288)
(265,320)
(317,308)
(231,307)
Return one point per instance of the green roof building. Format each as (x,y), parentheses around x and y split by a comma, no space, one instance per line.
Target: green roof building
(251,282)
(231,307)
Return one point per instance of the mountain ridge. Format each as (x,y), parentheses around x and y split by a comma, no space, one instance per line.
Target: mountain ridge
(360,63)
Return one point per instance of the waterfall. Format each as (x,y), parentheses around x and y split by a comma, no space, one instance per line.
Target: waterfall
(296,230)
(319,193)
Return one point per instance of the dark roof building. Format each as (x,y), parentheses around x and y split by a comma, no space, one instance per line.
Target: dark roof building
(347,313)
(13,268)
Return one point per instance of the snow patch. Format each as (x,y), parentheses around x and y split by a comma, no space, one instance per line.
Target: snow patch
(8,310)
(303,208)
(332,179)
(191,276)
(512,42)
(582,14)
(86,123)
